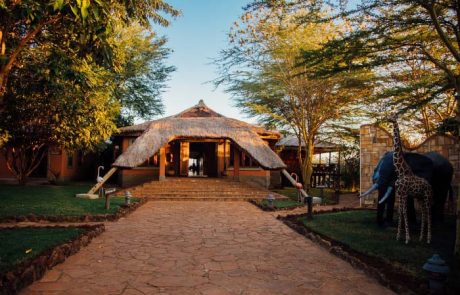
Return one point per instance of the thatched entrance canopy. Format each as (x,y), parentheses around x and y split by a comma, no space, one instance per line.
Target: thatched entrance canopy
(198,122)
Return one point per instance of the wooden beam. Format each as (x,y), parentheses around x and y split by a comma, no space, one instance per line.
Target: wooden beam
(98,185)
(292,180)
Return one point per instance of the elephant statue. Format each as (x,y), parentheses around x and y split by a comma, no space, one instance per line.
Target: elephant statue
(435,168)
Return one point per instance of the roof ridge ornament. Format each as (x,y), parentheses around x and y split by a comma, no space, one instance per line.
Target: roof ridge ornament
(201,104)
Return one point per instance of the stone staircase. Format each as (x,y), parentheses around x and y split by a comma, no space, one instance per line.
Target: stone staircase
(199,189)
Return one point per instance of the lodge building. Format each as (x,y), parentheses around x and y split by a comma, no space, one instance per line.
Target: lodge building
(197,142)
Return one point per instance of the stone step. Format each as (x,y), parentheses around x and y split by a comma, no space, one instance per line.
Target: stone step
(204,196)
(225,191)
(198,189)
(228,199)
(194,185)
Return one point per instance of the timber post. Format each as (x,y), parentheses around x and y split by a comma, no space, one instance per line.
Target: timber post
(236,164)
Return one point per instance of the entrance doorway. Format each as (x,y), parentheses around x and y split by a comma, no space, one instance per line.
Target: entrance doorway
(202,159)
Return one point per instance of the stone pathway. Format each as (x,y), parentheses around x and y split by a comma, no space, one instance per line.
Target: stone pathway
(203,248)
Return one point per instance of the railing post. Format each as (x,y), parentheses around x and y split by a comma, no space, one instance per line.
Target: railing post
(308,199)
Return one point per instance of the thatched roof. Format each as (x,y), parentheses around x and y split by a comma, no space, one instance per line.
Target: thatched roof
(291,142)
(197,122)
(202,111)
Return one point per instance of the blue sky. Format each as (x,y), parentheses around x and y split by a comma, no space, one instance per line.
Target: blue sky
(197,37)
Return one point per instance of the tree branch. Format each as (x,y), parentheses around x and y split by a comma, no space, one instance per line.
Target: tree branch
(13,56)
(440,31)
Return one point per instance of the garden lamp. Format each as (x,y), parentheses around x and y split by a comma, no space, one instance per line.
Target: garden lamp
(128,197)
(437,270)
(270,200)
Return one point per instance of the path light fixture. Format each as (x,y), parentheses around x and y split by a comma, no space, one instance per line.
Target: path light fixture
(270,200)
(437,271)
(128,197)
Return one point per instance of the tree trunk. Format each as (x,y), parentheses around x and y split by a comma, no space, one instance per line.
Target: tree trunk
(21,162)
(307,164)
(457,235)
(22,179)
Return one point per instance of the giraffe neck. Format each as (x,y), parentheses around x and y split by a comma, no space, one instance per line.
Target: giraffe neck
(401,166)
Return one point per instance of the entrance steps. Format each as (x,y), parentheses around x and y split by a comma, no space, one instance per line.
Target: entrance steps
(198,189)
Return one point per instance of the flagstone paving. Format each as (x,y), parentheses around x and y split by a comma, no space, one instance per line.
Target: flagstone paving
(168,247)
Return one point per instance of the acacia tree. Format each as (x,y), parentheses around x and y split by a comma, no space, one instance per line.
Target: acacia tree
(261,70)
(385,31)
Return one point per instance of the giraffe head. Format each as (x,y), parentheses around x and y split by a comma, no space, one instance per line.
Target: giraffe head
(392,118)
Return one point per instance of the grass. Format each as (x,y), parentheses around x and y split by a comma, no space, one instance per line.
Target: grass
(359,231)
(47,200)
(282,204)
(291,193)
(21,244)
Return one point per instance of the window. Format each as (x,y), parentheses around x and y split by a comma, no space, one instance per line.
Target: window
(70,161)
(153,161)
(80,158)
(246,161)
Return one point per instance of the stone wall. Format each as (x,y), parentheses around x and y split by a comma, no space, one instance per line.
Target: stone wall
(375,141)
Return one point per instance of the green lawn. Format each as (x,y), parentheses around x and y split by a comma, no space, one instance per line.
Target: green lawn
(291,193)
(282,204)
(47,200)
(21,244)
(359,231)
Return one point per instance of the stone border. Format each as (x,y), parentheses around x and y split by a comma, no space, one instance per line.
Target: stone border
(259,205)
(397,279)
(122,212)
(32,270)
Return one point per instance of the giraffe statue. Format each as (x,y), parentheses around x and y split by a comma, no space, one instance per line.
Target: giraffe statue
(409,184)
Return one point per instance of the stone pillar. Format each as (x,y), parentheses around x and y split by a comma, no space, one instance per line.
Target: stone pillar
(162,164)
(236,163)
(374,143)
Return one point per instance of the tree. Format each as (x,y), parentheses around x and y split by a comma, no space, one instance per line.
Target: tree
(57,96)
(67,68)
(261,70)
(55,99)
(21,22)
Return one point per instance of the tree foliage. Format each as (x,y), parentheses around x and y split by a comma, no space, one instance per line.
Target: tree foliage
(22,22)
(411,45)
(141,72)
(67,85)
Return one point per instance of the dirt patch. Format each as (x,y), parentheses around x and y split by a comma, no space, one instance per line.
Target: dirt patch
(386,273)
(122,212)
(32,270)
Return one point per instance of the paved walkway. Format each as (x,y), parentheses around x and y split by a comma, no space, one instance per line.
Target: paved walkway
(203,248)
